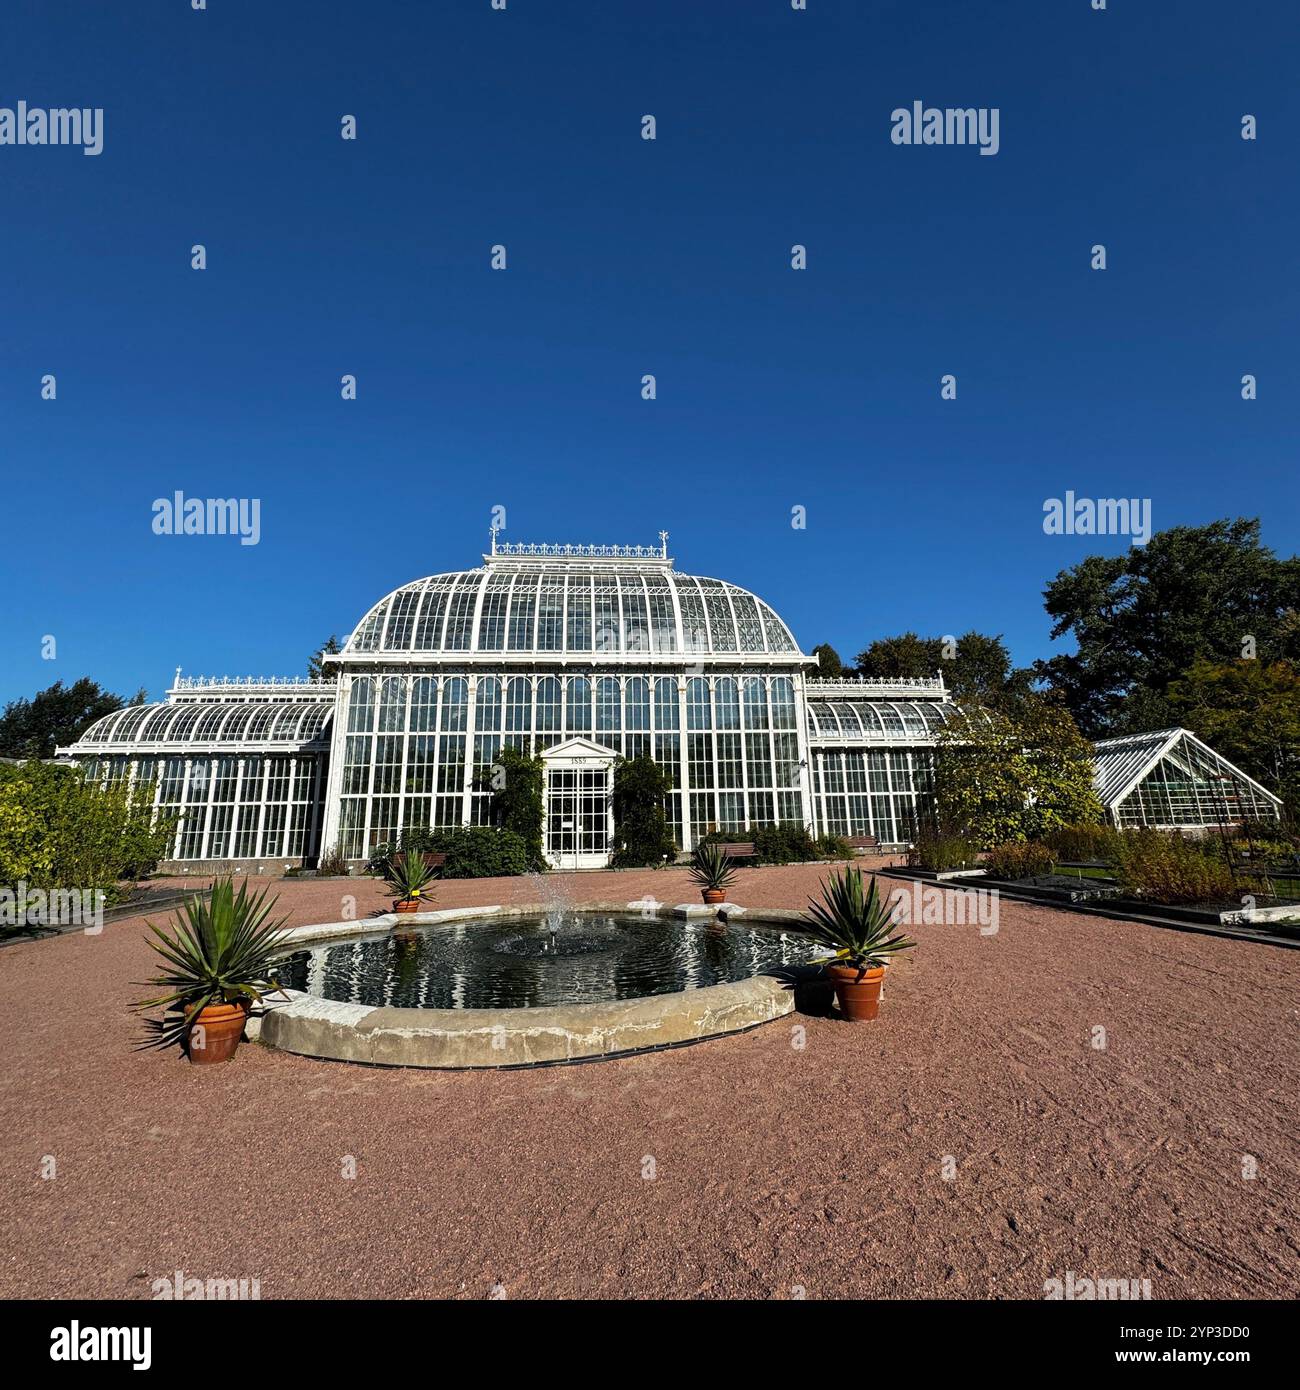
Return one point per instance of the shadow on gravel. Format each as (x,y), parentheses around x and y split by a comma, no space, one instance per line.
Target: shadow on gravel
(813,992)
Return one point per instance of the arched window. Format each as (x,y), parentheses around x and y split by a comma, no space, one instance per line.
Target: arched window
(578,703)
(609,721)
(361,705)
(519,709)
(548,705)
(392,705)
(487,712)
(424,704)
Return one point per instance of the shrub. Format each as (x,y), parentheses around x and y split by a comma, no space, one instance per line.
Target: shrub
(1025,859)
(57,830)
(785,844)
(942,850)
(332,863)
(473,851)
(641,833)
(1268,831)
(1166,868)
(834,847)
(1013,773)
(773,844)
(1084,841)
(516,783)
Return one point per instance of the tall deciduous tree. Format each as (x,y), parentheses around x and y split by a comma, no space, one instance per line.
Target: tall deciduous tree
(1140,620)
(1250,712)
(828,661)
(1013,773)
(55,717)
(974,667)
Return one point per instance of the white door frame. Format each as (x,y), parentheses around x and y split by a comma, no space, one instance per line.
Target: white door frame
(579,755)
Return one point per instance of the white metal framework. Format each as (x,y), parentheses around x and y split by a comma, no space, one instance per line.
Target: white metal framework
(547,644)
(580,654)
(240,762)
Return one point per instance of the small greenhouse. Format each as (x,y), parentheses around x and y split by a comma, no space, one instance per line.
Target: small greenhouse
(1172,780)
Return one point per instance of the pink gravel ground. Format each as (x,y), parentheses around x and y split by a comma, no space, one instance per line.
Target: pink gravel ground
(982,1137)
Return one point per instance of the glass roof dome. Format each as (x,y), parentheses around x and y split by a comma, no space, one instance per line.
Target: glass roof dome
(560,601)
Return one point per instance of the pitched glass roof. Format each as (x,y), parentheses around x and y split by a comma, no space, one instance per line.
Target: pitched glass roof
(1119,764)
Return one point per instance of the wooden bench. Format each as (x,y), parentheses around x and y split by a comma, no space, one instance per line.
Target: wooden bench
(863,844)
(743,851)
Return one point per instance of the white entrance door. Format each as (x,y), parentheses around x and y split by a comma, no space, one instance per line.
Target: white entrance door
(579,805)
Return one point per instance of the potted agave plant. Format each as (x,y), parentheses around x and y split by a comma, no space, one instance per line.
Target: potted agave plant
(410,873)
(219,959)
(858,927)
(713,871)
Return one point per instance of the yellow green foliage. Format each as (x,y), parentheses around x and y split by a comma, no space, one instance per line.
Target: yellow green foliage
(59,831)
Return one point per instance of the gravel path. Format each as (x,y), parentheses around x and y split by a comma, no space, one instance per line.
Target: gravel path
(974,1142)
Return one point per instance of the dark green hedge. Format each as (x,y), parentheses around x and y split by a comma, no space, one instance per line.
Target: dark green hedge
(782,844)
(474,851)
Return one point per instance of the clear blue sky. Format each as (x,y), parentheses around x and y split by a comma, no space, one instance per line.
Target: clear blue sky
(522,388)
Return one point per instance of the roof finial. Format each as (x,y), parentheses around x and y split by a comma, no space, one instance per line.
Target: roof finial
(493,530)
(663,544)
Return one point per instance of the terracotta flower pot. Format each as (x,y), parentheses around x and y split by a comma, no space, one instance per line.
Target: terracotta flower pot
(858,991)
(406,905)
(215,1034)
(714,895)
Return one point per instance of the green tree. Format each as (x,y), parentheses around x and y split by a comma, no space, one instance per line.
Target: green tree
(829,664)
(1250,712)
(641,833)
(975,666)
(1013,773)
(905,657)
(56,717)
(516,783)
(316,663)
(1140,620)
(57,830)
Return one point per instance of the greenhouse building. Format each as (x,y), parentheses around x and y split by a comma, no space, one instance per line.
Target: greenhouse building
(580,654)
(1173,780)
